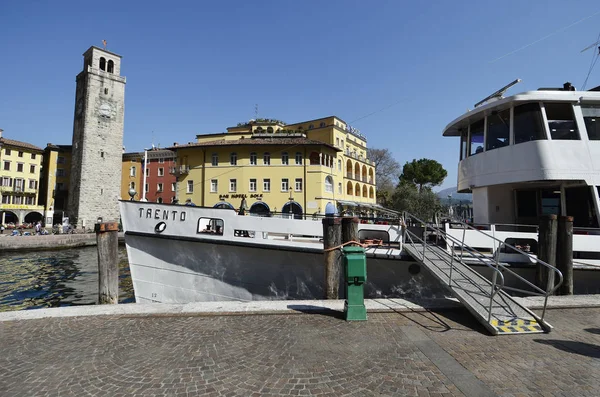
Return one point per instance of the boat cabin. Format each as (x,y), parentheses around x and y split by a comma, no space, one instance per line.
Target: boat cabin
(531,154)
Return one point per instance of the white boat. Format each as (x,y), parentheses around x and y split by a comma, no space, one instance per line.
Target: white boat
(522,156)
(180,254)
(527,155)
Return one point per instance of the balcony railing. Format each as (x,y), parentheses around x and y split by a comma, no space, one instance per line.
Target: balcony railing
(17,189)
(179,170)
(358,177)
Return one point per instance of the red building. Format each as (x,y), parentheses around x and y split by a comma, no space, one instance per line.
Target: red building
(160,183)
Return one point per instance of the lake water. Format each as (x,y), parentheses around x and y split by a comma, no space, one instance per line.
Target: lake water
(56,278)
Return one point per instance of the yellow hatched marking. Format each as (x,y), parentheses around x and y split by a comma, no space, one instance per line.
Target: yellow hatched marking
(517,325)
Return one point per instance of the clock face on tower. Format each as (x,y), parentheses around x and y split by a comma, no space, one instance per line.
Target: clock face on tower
(105,110)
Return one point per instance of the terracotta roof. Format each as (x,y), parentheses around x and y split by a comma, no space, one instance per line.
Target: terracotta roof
(256,141)
(61,148)
(19,144)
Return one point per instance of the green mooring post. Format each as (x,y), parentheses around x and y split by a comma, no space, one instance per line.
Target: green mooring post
(355,265)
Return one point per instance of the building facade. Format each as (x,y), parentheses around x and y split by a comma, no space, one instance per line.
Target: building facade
(131,171)
(265,166)
(156,166)
(54,182)
(95,185)
(19,182)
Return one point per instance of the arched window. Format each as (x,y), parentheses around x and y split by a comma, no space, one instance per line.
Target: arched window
(159,200)
(111,67)
(329,184)
(322,124)
(371,192)
(349,173)
(349,188)
(357,190)
(270,130)
(364,193)
(357,171)
(102,63)
(310,127)
(132,185)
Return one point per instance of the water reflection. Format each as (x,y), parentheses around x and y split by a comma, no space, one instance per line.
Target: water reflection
(56,278)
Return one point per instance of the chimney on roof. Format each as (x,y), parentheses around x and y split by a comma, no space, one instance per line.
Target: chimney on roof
(175,144)
(1,130)
(568,87)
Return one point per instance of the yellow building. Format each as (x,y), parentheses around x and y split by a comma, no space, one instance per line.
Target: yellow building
(131,174)
(314,167)
(54,182)
(19,181)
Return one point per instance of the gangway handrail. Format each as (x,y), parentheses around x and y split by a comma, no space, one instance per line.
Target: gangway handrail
(546,293)
(495,286)
(553,268)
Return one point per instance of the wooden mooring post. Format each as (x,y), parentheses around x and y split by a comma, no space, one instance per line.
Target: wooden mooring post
(332,237)
(564,254)
(107,238)
(349,229)
(546,251)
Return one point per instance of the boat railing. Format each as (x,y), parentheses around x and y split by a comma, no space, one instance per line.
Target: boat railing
(412,224)
(499,267)
(550,288)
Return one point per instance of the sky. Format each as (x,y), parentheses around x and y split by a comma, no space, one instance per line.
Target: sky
(398,71)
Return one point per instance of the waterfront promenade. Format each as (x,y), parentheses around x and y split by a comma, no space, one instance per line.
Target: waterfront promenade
(259,350)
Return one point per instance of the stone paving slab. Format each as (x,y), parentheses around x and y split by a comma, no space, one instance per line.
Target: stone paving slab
(412,353)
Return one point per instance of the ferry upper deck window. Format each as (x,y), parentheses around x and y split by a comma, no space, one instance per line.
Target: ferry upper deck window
(561,121)
(498,130)
(464,138)
(527,123)
(591,116)
(476,144)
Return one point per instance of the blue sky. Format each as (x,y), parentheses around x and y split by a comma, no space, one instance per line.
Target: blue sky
(200,67)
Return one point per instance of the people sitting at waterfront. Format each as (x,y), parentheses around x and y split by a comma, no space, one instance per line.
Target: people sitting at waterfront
(189,203)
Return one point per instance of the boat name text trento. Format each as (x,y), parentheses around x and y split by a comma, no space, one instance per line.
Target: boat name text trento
(149,213)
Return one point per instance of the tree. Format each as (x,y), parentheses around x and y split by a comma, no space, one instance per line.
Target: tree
(423,203)
(387,171)
(423,173)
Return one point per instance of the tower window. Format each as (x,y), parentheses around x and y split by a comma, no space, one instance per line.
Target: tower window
(102,63)
(111,67)
(106,91)
(102,154)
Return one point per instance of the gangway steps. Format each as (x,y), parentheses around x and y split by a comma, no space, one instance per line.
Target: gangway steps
(474,290)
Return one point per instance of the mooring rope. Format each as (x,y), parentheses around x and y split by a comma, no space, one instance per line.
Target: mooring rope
(366,244)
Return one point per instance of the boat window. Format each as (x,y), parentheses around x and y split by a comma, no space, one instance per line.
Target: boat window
(498,130)
(580,205)
(591,116)
(561,121)
(464,139)
(527,123)
(476,144)
(210,226)
(526,203)
(551,201)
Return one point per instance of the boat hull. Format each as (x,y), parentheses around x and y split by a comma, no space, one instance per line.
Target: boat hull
(178,270)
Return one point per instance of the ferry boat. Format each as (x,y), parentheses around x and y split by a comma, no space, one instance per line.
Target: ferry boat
(522,156)
(526,155)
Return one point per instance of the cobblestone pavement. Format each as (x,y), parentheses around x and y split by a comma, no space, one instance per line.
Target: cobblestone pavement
(416,354)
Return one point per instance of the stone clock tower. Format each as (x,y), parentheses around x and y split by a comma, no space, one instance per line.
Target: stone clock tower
(95,180)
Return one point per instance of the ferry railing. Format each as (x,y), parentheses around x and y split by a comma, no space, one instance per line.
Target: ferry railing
(497,274)
(540,292)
